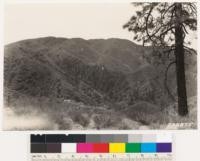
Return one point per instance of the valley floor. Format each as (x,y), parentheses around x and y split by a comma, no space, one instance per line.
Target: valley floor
(78,116)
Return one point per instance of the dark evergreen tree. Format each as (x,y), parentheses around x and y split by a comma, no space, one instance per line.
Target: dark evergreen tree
(165,27)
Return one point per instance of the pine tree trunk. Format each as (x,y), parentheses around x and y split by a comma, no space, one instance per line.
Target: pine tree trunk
(180,66)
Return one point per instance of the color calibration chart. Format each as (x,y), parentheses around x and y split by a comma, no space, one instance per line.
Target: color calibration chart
(97,147)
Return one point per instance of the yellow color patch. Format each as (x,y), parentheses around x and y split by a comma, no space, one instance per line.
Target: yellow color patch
(117,147)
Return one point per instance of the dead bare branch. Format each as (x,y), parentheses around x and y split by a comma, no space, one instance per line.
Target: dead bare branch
(190,50)
(165,80)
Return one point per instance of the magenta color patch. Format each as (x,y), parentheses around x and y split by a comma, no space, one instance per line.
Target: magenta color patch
(84,148)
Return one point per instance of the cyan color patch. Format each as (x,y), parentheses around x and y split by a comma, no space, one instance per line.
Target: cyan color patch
(148,148)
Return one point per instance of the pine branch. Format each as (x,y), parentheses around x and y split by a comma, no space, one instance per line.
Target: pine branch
(193,8)
(146,22)
(184,29)
(169,51)
(167,10)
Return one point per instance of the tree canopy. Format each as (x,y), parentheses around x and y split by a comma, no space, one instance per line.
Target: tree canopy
(154,23)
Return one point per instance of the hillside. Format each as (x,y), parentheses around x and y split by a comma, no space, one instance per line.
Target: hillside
(113,74)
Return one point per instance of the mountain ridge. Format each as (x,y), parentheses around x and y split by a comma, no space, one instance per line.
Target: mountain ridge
(95,71)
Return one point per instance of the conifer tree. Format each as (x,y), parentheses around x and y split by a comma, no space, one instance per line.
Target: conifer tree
(165,26)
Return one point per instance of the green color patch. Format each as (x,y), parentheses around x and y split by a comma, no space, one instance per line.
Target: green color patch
(133,148)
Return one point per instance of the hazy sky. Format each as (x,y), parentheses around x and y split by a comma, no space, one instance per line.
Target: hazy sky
(86,20)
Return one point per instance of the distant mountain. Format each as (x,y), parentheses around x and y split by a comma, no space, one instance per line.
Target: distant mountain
(96,72)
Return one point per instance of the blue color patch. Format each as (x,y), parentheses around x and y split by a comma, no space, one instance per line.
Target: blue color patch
(148,148)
